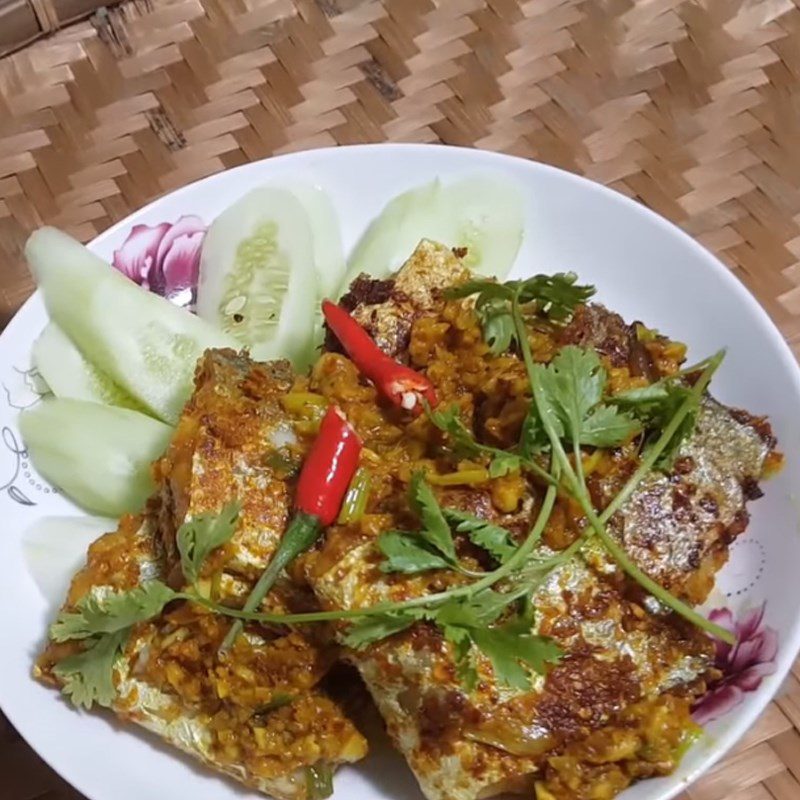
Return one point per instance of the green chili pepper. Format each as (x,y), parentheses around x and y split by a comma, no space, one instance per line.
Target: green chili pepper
(319,781)
(355,501)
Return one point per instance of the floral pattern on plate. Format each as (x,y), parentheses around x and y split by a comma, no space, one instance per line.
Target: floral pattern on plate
(743,665)
(164,258)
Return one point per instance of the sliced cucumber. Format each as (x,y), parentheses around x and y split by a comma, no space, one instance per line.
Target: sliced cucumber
(98,455)
(55,548)
(69,374)
(143,342)
(257,276)
(481,213)
(393,234)
(485,215)
(326,235)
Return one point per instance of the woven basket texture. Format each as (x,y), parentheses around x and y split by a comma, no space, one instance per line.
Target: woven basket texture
(690,106)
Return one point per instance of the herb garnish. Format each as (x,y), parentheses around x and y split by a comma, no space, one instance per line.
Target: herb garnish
(433,546)
(466,623)
(104,621)
(502,462)
(111,613)
(553,297)
(654,406)
(202,534)
(494,539)
(567,408)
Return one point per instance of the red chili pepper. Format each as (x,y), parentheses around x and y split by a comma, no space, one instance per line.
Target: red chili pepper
(328,468)
(402,385)
(326,474)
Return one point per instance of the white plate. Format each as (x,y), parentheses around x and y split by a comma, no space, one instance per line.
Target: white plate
(643,266)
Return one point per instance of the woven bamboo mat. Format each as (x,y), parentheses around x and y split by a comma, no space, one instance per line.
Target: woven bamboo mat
(690,106)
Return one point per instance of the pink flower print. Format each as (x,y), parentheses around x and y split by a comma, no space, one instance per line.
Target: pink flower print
(164,258)
(743,665)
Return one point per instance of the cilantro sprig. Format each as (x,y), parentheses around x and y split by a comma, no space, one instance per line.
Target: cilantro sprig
(568,411)
(449,421)
(432,546)
(110,613)
(553,297)
(468,623)
(103,621)
(654,406)
(546,405)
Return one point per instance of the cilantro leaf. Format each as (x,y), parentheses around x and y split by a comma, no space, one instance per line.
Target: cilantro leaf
(88,676)
(495,539)
(573,383)
(556,296)
(572,387)
(449,421)
(533,438)
(606,426)
(199,536)
(113,613)
(464,655)
(487,289)
(508,645)
(497,325)
(435,531)
(502,463)
(553,297)
(466,622)
(104,623)
(380,626)
(408,553)
(654,406)
(474,611)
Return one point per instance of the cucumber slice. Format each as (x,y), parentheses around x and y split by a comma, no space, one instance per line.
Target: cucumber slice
(69,374)
(482,213)
(392,236)
(485,215)
(143,342)
(98,455)
(326,236)
(257,276)
(55,549)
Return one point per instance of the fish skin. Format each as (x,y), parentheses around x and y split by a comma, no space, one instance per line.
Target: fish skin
(432,268)
(677,527)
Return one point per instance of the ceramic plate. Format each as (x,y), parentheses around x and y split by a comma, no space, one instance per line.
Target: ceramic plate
(644,268)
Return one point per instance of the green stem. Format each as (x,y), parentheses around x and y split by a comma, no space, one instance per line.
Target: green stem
(578,454)
(538,471)
(490,579)
(616,551)
(300,535)
(658,591)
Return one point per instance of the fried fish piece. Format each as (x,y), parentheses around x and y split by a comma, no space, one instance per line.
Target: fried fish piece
(617,706)
(387,308)
(257,714)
